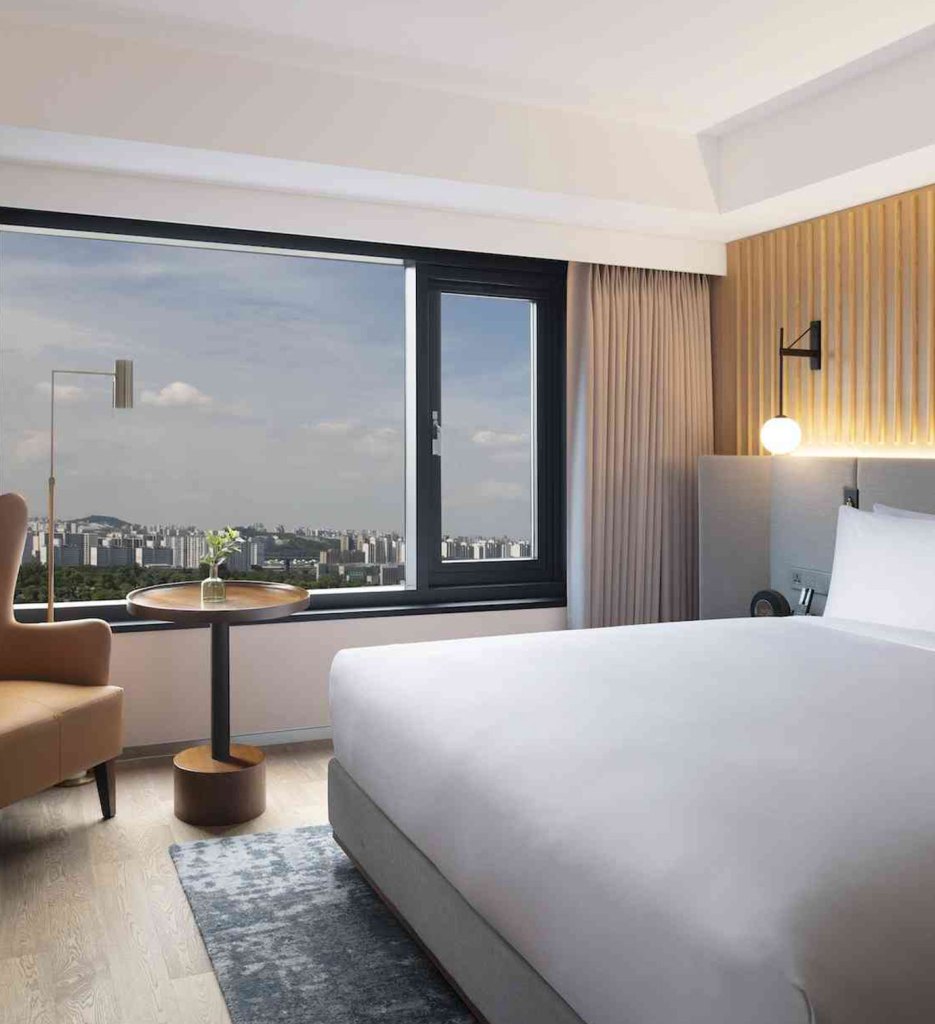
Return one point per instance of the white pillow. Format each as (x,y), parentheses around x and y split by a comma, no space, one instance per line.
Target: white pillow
(884,570)
(899,513)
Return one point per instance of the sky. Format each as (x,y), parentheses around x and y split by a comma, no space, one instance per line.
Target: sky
(486,399)
(269,388)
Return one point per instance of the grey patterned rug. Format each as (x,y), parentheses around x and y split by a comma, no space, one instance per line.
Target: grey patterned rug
(296,936)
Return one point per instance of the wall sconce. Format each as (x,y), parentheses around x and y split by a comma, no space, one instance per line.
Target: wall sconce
(781,434)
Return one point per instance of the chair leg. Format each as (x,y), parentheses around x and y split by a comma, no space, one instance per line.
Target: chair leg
(106,779)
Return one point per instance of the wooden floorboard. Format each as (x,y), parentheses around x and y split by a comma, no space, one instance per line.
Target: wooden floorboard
(94,926)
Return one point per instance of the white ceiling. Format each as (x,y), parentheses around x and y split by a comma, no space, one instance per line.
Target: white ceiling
(688,120)
(680,64)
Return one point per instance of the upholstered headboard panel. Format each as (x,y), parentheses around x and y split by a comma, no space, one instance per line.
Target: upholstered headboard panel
(733,516)
(905,483)
(771,521)
(804,501)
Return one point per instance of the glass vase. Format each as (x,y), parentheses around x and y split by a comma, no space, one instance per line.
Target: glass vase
(213,588)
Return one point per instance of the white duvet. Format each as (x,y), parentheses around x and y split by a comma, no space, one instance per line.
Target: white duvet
(723,822)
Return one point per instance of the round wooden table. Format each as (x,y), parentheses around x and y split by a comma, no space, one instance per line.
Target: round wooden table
(220,784)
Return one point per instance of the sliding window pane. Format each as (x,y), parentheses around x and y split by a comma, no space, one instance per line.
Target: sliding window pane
(488,352)
(270,396)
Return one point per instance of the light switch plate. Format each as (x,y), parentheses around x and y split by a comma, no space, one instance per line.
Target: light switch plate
(814,578)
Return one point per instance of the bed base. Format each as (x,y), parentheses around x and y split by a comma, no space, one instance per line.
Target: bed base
(495,982)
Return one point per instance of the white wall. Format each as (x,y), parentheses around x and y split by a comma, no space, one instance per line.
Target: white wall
(63,80)
(327,153)
(279,671)
(73,190)
(867,124)
(462,170)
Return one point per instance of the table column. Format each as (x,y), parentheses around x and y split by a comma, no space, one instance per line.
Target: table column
(220,692)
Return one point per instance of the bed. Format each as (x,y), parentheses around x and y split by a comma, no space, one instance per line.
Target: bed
(720,822)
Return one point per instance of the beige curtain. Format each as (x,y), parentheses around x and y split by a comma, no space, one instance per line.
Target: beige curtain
(639,415)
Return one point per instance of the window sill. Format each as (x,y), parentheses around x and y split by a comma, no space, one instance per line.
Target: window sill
(27,613)
(376,612)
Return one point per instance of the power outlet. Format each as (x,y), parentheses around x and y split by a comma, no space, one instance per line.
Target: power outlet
(820,582)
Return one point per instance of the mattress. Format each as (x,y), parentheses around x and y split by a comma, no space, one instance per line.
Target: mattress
(723,822)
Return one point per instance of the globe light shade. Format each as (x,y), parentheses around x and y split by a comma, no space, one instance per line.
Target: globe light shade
(780,435)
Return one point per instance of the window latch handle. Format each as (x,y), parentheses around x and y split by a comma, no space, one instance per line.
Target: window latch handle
(436,434)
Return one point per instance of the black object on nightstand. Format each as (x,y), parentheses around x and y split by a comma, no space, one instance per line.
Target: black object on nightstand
(769,603)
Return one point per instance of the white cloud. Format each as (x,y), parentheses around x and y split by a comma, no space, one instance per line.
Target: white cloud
(372,441)
(29,332)
(32,446)
(63,392)
(378,441)
(497,438)
(175,395)
(333,428)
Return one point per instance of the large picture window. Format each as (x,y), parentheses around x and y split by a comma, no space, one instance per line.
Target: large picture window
(375,421)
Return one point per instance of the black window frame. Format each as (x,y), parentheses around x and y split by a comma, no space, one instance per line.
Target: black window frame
(488,585)
(432,282)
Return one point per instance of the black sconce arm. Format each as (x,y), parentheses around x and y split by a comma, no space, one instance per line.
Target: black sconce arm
(813,352)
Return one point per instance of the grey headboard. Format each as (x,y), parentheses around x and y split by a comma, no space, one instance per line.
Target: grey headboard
(905,483)
(771,521)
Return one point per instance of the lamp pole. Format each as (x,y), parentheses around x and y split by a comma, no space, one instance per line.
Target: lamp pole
(122,398)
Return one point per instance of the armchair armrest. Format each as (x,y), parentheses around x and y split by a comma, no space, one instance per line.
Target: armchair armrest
(57,652)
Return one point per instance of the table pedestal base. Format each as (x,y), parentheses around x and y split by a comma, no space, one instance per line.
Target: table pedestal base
(209,792)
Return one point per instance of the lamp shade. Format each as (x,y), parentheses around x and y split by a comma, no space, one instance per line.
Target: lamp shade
(781,435)
(123,384)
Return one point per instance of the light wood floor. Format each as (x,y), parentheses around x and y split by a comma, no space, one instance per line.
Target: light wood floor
(94,925)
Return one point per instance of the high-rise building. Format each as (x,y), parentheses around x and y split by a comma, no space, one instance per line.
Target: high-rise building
(30,548)
(391,575)
(187,548)
(153,556)
(67,555)
(252,553)
(110,556)
(361,574)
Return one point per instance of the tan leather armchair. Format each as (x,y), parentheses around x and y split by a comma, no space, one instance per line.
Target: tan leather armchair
(58,715)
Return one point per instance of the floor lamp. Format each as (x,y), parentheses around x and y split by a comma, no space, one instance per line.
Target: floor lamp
(122,376)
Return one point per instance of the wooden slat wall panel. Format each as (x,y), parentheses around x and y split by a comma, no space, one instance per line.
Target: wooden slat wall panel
(928,243)
(868,274)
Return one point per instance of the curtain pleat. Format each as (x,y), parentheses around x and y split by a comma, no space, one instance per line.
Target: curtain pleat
(639,416)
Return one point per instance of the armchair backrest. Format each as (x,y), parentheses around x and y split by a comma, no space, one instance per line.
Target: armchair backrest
(12,540)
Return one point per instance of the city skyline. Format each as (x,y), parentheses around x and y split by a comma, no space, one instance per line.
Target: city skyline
(103,548)
(302,528)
